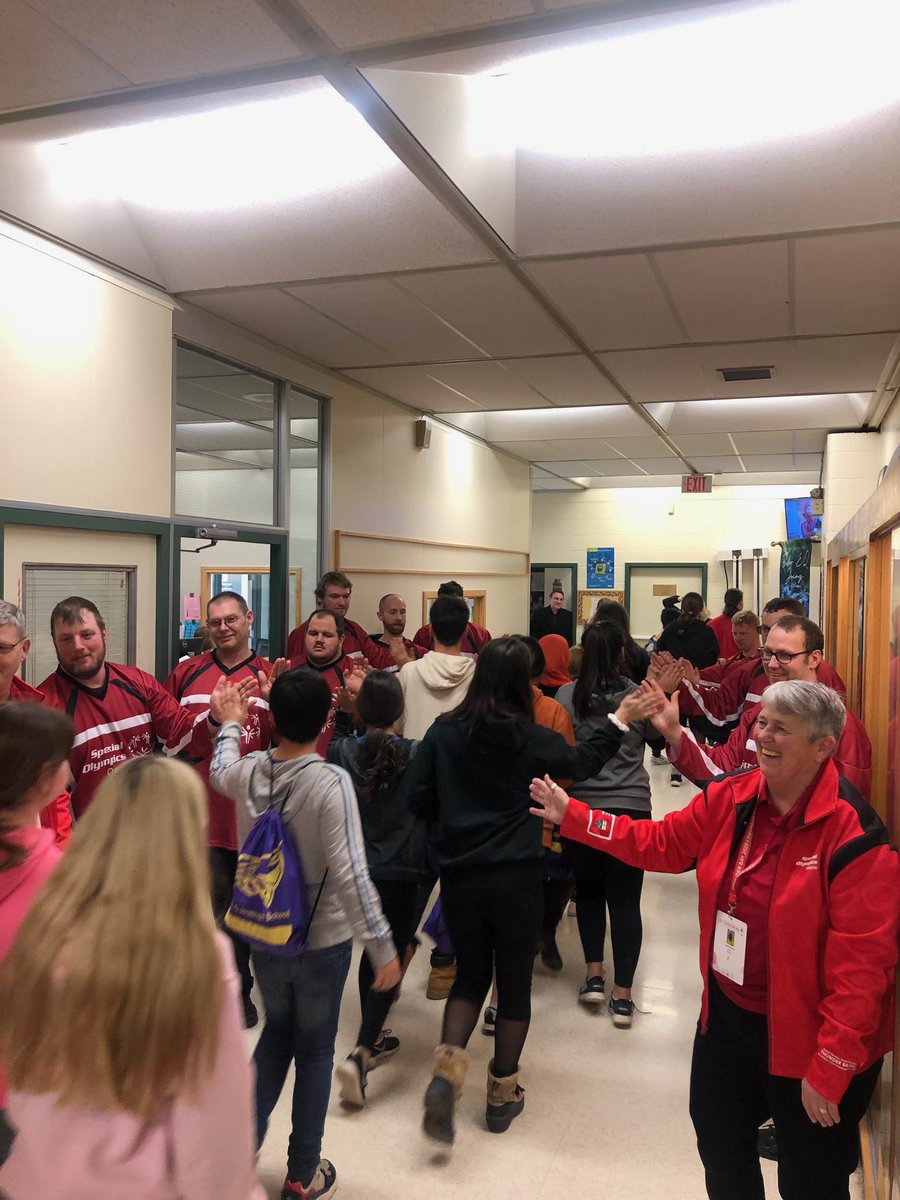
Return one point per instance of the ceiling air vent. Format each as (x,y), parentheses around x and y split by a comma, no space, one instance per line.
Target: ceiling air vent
(743,374)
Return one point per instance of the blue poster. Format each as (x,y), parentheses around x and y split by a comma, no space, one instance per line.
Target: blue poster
(601,567)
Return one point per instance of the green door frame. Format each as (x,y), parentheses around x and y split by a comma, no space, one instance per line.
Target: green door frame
(277,541)
(573,567)
(70,519)
(666,566)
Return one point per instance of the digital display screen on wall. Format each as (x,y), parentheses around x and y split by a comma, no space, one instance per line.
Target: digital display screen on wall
(799,518)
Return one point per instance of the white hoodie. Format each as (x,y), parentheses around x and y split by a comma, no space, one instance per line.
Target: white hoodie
(432,685)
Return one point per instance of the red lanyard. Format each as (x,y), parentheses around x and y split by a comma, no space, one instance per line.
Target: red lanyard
(741,866)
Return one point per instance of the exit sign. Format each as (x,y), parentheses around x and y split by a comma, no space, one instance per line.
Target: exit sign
(696,483)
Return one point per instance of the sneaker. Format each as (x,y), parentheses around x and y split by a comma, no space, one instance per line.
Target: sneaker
(592,992)
(675,779)
(767,1143)
(351,1075)
(658,760)
(489,1020)
(621,1011)
(323,1183)
(251,1016)
(386,1047)
(440,981)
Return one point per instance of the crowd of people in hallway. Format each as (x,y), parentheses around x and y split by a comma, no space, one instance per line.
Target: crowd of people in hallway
(172,852)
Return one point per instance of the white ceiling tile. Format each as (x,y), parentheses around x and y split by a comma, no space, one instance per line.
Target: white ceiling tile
(566,380)
(280,318)
(152,42)
(491,308)
(660,375)
(40,63)
(661,466)
(782,462)
(413,386)
(360,23)
(587,447)
(574,467)
(488,384)
(530,449)
(766,413)
(781,442)
(841,364)
(614,301)
(706,443)
(730,292)
(710,464)
(387,316)
(559,424)
(848,282)
(646,446)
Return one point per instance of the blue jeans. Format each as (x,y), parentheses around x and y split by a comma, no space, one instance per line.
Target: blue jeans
(302,996)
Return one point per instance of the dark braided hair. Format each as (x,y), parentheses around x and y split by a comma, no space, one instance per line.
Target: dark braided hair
(382,757)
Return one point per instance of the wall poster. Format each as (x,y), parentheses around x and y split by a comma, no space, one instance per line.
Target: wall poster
(601,567)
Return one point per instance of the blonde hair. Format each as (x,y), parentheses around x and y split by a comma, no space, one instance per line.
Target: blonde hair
(112,990)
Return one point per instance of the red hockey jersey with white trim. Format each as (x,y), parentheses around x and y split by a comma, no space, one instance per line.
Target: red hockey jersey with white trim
(191,683)
(125,718)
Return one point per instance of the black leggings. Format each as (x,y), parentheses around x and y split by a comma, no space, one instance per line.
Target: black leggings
(602,882)
(732,1093)
(399,905)
(494,914)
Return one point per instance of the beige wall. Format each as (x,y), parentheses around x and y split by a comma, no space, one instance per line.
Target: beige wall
(853,462)
(36,544)
(457,491)
(638,523)
(85,375)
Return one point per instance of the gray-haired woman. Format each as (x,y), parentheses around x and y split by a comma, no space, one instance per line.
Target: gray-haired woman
(799,910)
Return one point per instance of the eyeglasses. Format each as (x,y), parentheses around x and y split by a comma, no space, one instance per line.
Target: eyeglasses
(785,657)
(218,622)
(7,649)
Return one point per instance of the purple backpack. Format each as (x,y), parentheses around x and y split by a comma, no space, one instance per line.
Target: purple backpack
(270,903)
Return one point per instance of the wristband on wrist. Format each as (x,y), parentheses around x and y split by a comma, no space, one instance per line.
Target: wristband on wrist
(212,720)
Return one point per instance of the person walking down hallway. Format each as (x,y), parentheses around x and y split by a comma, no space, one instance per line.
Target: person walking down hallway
(554,618)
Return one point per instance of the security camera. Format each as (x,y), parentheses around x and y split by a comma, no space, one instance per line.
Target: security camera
(202,532)
(817,493)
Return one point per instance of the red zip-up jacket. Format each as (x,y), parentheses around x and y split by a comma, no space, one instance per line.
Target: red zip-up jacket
(834,914)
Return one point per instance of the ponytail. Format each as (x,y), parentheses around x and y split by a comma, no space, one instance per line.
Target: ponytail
(602,643)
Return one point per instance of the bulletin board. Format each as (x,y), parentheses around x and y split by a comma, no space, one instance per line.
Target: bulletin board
(587,601)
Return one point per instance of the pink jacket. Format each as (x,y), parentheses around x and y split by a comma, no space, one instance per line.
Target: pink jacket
(202,1150)
(18,887)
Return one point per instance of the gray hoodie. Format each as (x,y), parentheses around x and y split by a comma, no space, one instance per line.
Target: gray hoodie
(623,782)
(432,685)
(321,813)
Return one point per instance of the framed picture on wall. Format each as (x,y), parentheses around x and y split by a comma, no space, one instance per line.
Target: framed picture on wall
(477,602)
(587,601)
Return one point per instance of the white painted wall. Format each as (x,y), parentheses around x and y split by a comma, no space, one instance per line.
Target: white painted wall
(853,462)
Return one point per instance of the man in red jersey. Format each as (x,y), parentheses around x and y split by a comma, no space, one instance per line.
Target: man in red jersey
(793,650)
(475,638)
(323,650)
(119,712)
(333,593)
(14,647)
(192,683)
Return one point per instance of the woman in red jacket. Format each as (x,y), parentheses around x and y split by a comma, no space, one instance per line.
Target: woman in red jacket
(798,903)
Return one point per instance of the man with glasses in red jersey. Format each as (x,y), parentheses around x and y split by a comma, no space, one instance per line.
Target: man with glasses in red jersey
(14,647)
(793,650)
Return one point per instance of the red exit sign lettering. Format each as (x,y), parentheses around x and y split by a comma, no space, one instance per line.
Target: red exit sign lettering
(696,483)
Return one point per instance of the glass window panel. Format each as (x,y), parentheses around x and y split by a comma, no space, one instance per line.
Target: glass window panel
(224,440)
(304,516)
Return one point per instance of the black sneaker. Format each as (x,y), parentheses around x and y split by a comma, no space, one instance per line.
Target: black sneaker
(351,1076)
(675,779)
(489,1021)
(767,1142)
(593,992)
(621,1011)
(437,1122)
(386,1047)
(323,1183)
(251,1016)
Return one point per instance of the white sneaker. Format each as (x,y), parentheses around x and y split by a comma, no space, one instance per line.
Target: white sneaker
(658,760)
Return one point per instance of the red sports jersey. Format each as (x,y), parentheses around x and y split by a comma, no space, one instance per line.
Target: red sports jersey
(58,814)
(474,640)
(125,718)
(191,683)
(357,644)
(410,647)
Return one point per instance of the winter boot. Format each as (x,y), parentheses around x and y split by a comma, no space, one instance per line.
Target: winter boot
(505,1100)
(442,976)
(448,1074)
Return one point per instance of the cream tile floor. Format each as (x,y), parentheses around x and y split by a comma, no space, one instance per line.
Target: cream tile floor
(606,1109)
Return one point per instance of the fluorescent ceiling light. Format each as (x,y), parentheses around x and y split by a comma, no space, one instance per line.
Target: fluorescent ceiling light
(747,76)
(241,156)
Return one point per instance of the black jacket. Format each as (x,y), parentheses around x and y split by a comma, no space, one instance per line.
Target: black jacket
(693,640)
(545,620)
(472,789)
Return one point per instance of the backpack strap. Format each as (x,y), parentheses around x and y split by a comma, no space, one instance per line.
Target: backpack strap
(280,812)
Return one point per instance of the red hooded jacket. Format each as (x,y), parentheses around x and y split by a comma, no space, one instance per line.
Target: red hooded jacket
(833,917)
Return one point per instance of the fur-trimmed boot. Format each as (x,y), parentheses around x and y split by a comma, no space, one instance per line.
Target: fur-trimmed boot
(505,1100)
(447,1077)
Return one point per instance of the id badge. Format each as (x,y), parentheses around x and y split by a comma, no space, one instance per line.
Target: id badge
(729,947)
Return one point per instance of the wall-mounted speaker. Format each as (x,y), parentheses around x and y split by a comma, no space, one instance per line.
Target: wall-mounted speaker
(423,434)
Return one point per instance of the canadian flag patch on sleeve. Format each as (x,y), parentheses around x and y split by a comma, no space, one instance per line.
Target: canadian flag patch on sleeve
(600,825)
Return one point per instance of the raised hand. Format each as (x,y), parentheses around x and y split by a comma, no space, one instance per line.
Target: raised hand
(665,721)
(689,671)
(401,654)
(550,801)
(229,702)
(669,677)
(345,700)
(641,703)
(354,681)
(279,666)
